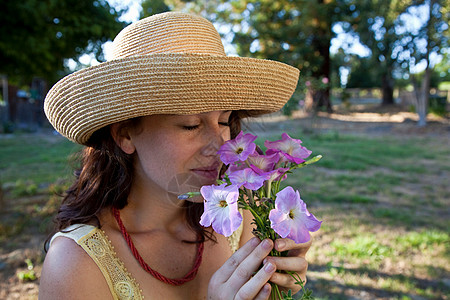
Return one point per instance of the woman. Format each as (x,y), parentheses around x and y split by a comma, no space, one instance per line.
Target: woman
(152,120)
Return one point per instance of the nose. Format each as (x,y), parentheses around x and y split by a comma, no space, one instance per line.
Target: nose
(214,140)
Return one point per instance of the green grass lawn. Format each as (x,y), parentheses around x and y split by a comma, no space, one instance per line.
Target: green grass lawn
(34,158)
(384,202)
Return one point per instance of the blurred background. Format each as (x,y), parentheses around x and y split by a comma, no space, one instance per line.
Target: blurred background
(373,99)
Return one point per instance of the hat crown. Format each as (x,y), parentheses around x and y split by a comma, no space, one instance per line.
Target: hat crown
(170,32)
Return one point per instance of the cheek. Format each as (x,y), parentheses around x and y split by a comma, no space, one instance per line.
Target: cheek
(159,155)
(227,135)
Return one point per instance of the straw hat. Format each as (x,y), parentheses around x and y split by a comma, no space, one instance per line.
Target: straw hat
(170,63)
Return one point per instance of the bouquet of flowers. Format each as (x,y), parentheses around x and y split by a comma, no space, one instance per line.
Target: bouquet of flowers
(252,182)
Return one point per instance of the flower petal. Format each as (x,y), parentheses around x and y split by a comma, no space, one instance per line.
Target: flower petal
(237,149)
(290,217)
(287,199)
(279,222)
(291,148)
(220,208)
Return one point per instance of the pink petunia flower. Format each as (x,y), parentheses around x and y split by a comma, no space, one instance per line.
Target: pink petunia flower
(248,178)
(289,147)
(264,162)
(221,208)
(290,218)
(237,149)
(237,166)
(272,175)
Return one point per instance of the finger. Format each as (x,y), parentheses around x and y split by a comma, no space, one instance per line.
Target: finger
(287,281)
(228,268)
(294,249)
(264,294)
(255,286)
(249,265)
(295,264)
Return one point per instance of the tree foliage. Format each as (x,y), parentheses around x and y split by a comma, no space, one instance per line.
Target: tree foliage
(297,32)
(434,34)
(364,74)
(36,36)
(152,7)
(387,29)
(376,26)
(431,37)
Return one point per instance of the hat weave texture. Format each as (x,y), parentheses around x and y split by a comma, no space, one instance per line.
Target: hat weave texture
(170,63)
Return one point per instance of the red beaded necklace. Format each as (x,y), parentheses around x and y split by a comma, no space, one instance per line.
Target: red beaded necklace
(179,281)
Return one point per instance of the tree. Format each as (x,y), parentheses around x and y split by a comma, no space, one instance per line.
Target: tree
(376,26)
(152,7)
(442,69)
(363,74)
(37,36)
(297,32)
(434,33)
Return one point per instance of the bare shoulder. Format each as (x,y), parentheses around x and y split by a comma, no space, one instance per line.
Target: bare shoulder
(69,273)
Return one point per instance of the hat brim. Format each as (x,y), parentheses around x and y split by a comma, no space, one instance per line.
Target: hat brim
(179,83)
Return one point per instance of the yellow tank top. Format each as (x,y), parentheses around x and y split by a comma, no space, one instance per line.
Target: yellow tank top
(98,246)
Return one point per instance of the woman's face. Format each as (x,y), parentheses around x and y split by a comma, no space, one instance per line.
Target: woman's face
(178,154)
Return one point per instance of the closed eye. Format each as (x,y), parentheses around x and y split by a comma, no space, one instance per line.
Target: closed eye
(190,127)
(224,124)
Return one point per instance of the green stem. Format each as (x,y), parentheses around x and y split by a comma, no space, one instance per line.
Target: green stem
(250,196)
(276,291)
(256,216)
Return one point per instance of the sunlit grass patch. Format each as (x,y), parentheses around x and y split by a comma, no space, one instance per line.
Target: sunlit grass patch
(364,246)
(34,158)
(423,241)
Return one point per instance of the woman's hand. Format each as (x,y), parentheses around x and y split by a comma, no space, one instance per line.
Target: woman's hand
(294,262)
(236,279)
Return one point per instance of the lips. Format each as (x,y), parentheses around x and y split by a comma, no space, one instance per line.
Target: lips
(210,172)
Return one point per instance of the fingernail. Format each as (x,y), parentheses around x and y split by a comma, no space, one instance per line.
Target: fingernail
(281,245)
(267,245)
(255,241)
(269,267)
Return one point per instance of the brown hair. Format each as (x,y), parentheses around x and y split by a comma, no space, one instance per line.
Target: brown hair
(104,180)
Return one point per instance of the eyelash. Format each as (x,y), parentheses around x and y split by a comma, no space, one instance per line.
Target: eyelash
(196,126)
(190,127)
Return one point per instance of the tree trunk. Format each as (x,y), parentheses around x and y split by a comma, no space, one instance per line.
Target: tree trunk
(322,100)
(4,115)
(321,43)
(309,100)
(424,94)
(388,90)
(422,99)
(318,100)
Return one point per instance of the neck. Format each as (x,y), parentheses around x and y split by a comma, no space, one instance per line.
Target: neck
(153,210)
